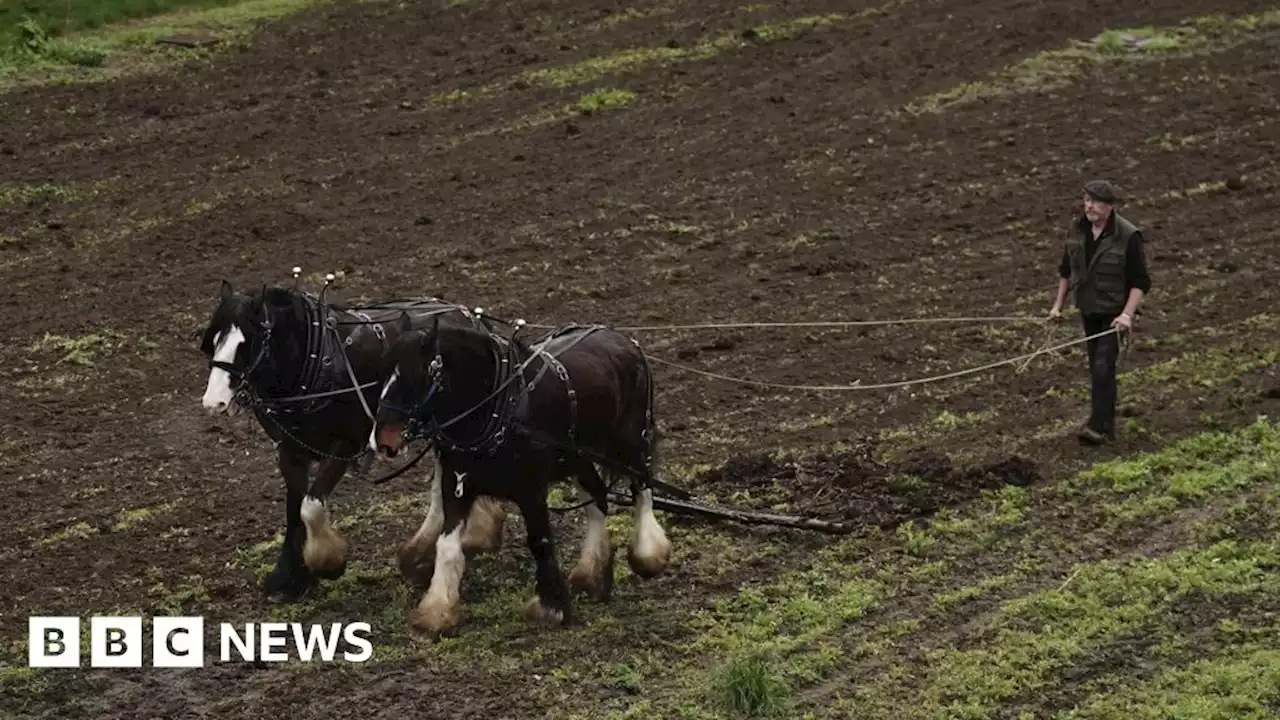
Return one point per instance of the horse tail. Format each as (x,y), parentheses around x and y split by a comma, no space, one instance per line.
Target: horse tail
(651,456)
(650,432)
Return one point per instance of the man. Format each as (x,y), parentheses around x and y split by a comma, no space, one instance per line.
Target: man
(1104,267)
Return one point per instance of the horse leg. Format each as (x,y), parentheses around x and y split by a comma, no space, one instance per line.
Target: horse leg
(650,549)
(551,605)
(290,579)
(416,555)
(325,551)
(483,532)
(440,609)
(594,572)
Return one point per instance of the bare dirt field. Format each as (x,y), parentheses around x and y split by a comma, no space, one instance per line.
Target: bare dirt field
(673,163)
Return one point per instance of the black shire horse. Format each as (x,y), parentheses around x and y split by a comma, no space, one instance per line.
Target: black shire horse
(510,419)
(295,360)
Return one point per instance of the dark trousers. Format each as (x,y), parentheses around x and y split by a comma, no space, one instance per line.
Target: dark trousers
(1103,353)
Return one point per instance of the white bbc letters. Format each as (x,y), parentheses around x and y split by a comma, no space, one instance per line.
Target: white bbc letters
(53,642)
(116,642)
(177,642)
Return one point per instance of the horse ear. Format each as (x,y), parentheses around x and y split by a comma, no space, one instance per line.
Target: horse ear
(226,290)
(405,325)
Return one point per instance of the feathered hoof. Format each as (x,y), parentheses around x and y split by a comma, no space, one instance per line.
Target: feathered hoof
(417,563)
(433,620)
(651,560)
(592,580)
(540,614)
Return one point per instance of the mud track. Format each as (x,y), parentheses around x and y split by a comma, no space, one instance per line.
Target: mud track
(776,178)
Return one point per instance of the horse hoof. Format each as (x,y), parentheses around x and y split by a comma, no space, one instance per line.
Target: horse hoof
(331,573)
(431,622)
(287,591)
(651,558)
(540,614)
(599,588)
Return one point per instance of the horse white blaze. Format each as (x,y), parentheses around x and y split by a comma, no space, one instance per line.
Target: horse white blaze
(438,611)
(325,550)
(218,394)
(650,548)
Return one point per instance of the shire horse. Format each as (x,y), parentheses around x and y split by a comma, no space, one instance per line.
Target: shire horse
(308,371)
(510,419)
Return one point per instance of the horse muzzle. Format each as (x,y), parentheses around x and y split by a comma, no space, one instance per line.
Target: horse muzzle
(387,441)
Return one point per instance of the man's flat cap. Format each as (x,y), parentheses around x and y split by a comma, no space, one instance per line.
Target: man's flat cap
(1102,191)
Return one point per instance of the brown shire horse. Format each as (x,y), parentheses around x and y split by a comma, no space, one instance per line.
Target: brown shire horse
(296,361)
(509,420)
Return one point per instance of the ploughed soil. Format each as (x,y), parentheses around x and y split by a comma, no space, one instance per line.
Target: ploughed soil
(775,180)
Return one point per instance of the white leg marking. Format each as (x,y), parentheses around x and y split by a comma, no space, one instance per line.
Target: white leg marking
(650,548)
(597,552)
(439,609)
(325,550)
(217,394)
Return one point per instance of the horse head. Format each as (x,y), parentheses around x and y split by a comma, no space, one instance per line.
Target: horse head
(414,375)
(243,341)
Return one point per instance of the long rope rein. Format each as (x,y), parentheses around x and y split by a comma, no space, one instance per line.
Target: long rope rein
(1025,359)
(888,385)
(820,323)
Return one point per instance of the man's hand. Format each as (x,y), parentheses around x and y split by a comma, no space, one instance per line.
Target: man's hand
(1055,312)
(1123,322)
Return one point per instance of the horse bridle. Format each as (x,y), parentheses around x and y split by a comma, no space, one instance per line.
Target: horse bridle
(435,373)
(242,376)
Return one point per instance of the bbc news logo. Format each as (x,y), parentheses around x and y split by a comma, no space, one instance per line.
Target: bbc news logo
(178,642)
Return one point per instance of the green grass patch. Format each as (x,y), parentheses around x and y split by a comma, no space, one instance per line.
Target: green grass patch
(18,193)
(750,688)
(1242,683)
(79,530)
(1035,637)
(132,517)
(57,18)
(1060,67)
(603,100)
(635,59)
(85,350)
(96,40)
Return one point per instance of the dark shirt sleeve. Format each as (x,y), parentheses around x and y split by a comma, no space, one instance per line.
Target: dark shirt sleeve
(1135,266)
(1064,267)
